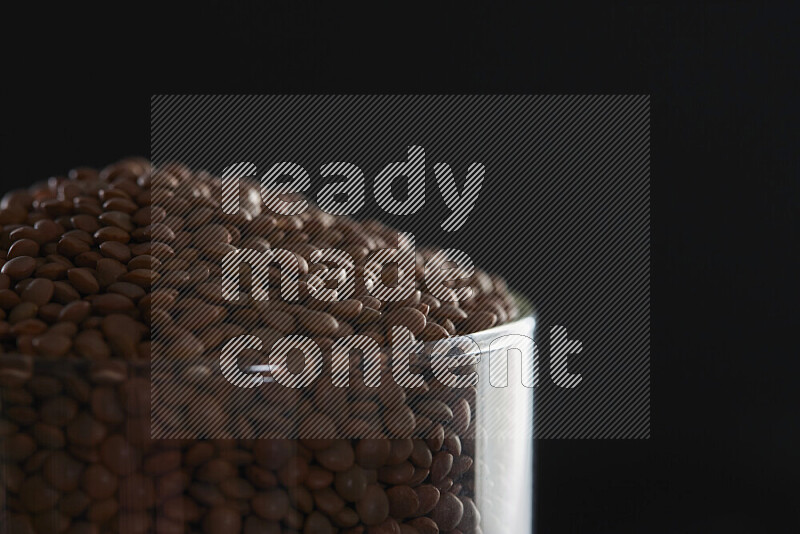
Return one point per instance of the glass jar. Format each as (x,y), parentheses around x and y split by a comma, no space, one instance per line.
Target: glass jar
(77,456)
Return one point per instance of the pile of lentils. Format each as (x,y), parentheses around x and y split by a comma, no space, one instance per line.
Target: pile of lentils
(91,261)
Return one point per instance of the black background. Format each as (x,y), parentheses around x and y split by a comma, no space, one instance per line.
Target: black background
(725,188)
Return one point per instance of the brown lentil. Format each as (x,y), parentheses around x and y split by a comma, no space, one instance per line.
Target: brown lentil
(94,260)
